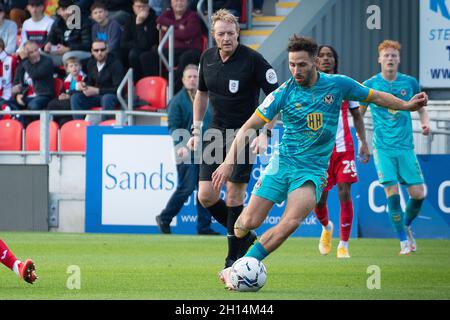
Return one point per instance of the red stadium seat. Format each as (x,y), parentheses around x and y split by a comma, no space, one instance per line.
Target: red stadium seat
(72,136)
(10,135)
(152,90)
(33,134)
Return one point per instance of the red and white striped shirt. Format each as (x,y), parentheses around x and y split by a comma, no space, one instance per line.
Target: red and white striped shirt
(6,75)
(344,141)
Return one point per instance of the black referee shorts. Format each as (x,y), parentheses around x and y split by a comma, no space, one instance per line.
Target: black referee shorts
(214,153)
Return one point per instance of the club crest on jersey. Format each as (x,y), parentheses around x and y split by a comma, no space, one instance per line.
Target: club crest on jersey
(328,99)
(298,106)
(314,121)
(233,86)
(6,66)
(403,92)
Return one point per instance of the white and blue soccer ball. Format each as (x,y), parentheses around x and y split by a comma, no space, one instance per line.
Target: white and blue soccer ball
(248,274)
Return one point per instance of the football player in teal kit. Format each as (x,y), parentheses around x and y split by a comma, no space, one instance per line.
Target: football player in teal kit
(393,146)
(309,103)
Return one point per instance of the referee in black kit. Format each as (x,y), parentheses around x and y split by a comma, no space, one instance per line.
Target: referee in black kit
(231,75)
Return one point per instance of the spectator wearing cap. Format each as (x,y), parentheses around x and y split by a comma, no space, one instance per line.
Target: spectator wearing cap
(8,32)
(65,41)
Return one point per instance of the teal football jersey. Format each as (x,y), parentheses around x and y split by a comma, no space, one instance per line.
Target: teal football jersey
(310,117)
(392,128)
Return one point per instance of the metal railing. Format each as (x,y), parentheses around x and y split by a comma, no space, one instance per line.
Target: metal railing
(127,105)
(207,19)
(169,36)
(45,116)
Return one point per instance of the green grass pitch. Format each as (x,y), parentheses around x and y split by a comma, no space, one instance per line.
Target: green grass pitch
(161,267)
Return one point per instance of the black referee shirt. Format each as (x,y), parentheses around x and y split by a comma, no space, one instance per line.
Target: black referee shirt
(234,86)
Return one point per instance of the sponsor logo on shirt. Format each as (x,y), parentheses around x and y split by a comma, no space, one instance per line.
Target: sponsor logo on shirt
(233,86)
(328,99)
(314,121)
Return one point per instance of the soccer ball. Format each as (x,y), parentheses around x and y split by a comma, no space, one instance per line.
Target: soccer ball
(248,274)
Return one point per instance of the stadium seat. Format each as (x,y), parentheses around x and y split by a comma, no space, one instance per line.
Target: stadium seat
(10,135)
(152,90)
(58,86)
(33,134)
(72,136)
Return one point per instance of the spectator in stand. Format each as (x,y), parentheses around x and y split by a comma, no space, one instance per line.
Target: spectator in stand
(188,43)
(8,32)
(16,11)
(37,27)
(140,35)
(104,28)
(64,41)
(72,84)
(33,81)
(105,72)
(6,76)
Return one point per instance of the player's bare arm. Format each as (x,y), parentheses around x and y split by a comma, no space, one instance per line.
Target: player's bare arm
(223,172)
(424,121)
(358,122)
(259,144)
(389,101)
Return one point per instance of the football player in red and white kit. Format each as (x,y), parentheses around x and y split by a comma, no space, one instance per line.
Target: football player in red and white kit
(342,168)
(24,270)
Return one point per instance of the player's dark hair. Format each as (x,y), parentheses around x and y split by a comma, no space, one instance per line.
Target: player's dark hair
(297,43)
(335,55)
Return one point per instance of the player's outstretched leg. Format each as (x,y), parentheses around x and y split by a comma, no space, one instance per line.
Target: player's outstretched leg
(25,270)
